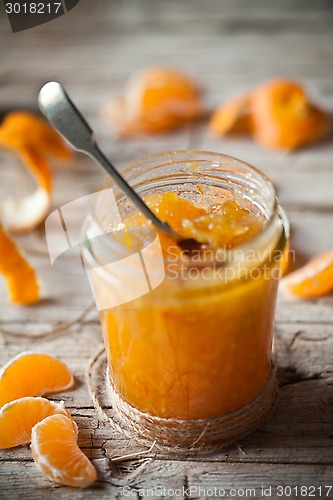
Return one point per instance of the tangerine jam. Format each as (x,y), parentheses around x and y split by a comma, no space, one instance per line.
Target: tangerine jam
(198,345)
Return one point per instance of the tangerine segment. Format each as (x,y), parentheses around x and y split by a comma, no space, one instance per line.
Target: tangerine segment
(312,280)
(285,259)
(18,417)
(32,130)
(21,277)
(283,117)
(155,100)
(232,117)
(55,451)
(31,374)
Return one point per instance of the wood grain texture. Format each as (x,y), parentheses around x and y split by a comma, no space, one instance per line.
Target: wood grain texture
(228,45)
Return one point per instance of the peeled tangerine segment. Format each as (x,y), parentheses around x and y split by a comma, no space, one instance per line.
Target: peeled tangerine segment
(18,417)
(155,100)
(20,276)
(31,374)
(55,451)
(312,280)
(285,259)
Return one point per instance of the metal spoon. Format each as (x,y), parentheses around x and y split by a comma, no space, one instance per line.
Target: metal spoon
(63,115)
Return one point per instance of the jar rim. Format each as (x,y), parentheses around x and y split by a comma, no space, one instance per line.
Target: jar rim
(176,157)
(183,152)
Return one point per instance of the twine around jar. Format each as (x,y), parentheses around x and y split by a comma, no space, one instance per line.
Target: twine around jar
(176,436)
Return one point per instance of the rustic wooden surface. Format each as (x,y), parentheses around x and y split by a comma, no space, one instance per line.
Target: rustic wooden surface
(228,45)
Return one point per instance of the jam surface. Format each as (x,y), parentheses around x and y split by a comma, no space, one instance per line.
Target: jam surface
(223,224)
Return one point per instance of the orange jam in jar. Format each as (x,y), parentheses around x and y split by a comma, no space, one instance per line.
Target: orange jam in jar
(188,334)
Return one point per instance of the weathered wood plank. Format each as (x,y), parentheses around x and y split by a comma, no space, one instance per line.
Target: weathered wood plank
(160,479)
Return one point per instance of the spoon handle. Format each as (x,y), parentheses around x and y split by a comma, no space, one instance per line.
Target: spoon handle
(98,156)
(63,115)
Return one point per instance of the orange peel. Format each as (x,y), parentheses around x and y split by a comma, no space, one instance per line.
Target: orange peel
(283,117)
(232,117)
(55,451)
(278,114)
(33,374)
(155,100)
(28,128)
(32,140)
(315,279)
(18,417)
(21,278)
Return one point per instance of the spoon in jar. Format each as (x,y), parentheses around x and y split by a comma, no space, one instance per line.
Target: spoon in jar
(63,115)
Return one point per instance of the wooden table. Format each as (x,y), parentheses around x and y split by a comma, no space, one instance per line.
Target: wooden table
(227,46)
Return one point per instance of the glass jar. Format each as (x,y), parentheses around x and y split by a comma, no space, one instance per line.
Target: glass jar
(194,347)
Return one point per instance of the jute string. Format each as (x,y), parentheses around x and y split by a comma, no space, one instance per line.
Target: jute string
(61,329)
(178,436)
